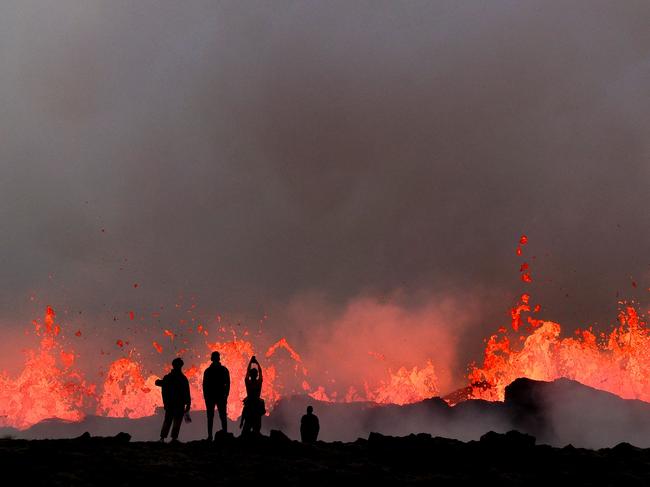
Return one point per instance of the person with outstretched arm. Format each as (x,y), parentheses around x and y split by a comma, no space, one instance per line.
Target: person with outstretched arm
(254,408)
(176,399)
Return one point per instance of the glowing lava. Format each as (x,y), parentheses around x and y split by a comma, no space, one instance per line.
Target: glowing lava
(51,384)
(618,362)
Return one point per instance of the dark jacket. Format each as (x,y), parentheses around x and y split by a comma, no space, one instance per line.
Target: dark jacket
(309,428)
(216,382)
(175,391)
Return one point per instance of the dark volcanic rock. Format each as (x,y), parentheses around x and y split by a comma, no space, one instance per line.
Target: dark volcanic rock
(121,437)
(565,411)
(279,437)
(501,459)
(512,440)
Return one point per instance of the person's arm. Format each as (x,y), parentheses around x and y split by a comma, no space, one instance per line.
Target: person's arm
(160,382)
(227,384)
(247,379)
(205,384)
(188,397)
(259,368)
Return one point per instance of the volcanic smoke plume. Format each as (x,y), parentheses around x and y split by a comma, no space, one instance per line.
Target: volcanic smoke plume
(340,188)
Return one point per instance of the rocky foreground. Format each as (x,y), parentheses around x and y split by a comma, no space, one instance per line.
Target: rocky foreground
(496,459)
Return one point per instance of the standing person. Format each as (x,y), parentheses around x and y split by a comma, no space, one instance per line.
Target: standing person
(216,387)
(176,399)
(309,426)
(254,409)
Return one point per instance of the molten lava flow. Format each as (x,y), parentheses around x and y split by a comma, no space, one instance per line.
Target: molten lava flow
(618,362)
(51,384)
(48,387)
(126,393)
(405,386)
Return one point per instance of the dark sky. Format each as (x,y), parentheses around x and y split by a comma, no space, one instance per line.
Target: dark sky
(253,153)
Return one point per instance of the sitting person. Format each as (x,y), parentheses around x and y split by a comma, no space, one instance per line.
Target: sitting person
(309,426)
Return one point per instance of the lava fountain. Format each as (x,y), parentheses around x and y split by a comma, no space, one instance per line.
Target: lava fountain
(52,383)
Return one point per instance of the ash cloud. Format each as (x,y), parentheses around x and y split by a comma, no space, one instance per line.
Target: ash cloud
(249,153)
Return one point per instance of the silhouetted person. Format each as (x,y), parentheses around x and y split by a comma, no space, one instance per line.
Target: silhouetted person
(309,426)
(176,399)
(254,409)
(216,387)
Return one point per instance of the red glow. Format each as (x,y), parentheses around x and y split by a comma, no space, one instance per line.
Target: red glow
(51,383)
(48,385)
(617,362)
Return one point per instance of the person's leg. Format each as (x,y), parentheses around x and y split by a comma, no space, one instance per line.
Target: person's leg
(178,419)
(257,424)
(209,409)
(257,416)
(247,427)
(247,421)
(222,406)
(167,423)
(244,420)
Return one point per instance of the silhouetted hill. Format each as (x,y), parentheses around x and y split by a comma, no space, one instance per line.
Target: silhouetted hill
(565,411)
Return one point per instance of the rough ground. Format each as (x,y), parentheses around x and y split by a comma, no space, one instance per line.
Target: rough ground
(507,459)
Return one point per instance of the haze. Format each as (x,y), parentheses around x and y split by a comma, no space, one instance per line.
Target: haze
(323,162)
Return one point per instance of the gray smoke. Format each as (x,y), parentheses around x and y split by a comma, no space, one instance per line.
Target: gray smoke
(248,153)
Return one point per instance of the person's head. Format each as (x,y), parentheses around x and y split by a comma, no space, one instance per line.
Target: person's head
(253,374)
(310,409)
(177,363)
(215,357)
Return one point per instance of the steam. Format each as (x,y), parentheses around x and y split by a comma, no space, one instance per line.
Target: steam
(367,340)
